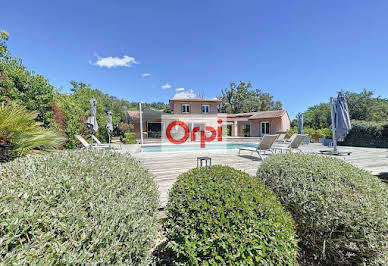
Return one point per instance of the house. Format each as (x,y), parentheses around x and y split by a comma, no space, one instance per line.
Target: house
(201,112)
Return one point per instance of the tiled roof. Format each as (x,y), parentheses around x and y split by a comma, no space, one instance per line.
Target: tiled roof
(195,100)
(241,114)
(268,114)
(259,115)
(134,115)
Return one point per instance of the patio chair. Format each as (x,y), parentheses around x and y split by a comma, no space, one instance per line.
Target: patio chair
(293,145)
(265,145)
(87,145)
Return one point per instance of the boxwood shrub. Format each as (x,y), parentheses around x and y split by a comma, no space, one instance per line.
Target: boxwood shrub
(76,207)
(341,211)
(224,216)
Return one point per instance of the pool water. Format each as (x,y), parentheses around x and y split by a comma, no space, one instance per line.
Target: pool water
(193,147)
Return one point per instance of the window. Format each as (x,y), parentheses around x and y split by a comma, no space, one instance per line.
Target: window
(185,108)
(205,108)
(265,128)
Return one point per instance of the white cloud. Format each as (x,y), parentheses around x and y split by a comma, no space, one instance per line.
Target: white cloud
(185,95)
(179,89)
(110,61)
(144,75)
(166,86)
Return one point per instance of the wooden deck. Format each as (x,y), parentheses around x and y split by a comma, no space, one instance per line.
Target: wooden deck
(166,166)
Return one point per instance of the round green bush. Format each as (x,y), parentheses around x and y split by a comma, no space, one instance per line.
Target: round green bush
(76,207)
(222,216)
(341,211)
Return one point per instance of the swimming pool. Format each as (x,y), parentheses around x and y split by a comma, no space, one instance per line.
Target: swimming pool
(193,147)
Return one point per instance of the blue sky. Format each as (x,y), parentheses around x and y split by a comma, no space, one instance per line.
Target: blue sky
(301,52)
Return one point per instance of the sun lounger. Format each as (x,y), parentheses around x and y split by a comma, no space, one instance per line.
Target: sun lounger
(87,145)
(265,145)
(96,140)
(115,146)
(291,138)
(293,145)
(281,137)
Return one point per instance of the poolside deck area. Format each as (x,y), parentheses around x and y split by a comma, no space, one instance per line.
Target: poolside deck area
(167,166)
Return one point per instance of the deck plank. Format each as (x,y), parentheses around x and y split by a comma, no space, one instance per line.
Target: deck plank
(167,166)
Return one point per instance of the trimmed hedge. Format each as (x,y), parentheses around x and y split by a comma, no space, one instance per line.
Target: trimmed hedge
(367,134)
(76,207)
(224,216)
(341,211)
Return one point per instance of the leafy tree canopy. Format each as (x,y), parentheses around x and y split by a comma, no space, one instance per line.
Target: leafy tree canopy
(23,86)
(363,106)
(241,98)
(76,108)
(67,112)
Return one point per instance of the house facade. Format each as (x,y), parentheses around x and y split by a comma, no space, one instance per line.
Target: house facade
(203,112)
(194,106)
(258,124)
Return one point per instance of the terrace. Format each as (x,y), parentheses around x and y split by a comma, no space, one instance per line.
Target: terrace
(167,166)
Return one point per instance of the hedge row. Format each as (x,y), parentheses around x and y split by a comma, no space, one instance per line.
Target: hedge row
(76,207)
(341,211)
(222,216)
(367,134)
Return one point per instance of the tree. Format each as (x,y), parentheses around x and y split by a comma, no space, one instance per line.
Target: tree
(76,107)
(363,106)
(317,116)
(66,112)
(241,99)
(23,86)
(4,35)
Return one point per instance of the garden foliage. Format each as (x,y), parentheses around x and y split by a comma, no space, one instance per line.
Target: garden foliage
(222,216)
(364,106)
(241,98)
(76,207)
(23,86)
(19,129)
(129,138)
(325,133)
(367,134)
(65,111)
(341,211)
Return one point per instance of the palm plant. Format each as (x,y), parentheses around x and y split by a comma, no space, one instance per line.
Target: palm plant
(19,128)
